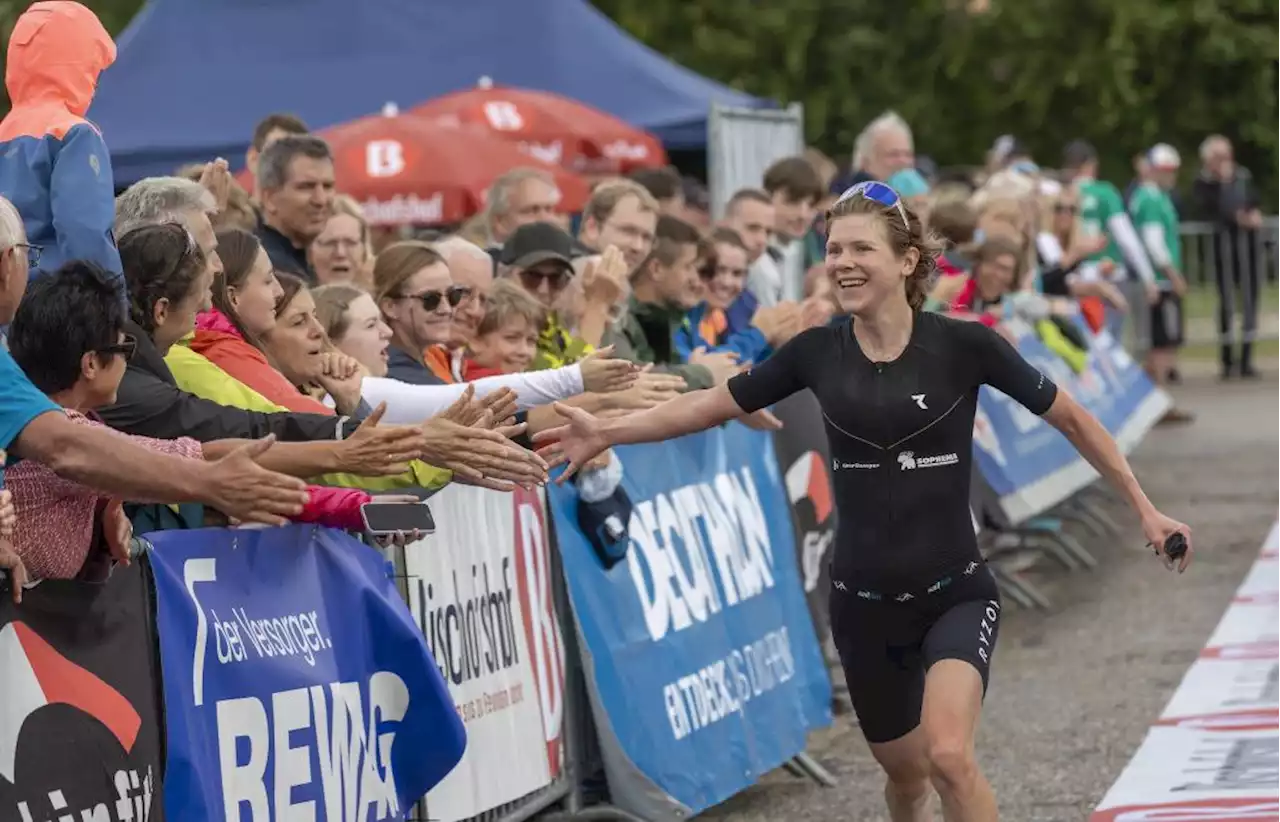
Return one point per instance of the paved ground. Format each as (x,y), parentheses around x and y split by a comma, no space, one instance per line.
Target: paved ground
(1074,692)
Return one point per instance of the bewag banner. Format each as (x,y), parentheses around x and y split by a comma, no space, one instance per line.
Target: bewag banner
(701,660)
(1026,462)
(480,589)
(297,685)
(79,719)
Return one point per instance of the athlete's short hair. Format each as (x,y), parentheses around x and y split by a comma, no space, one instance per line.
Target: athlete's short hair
(903,236)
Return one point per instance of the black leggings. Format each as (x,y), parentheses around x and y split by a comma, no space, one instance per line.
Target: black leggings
(888,641)
(1238,276)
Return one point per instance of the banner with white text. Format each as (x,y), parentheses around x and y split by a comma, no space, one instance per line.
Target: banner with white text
(297,685)
(701,659)
(480,589)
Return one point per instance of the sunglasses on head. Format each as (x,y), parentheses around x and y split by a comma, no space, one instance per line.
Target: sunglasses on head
(430,300)
(877,193)
(125,348)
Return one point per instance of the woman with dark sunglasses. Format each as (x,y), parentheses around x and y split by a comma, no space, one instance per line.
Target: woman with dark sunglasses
(417,296)
(914,611)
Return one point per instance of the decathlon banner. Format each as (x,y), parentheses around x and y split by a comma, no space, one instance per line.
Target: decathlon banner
(1212,753)
(79,713)
(1028,464)
(296,683)
(701,660)
(481,590)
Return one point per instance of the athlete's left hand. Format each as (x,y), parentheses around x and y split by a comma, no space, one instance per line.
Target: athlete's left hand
(1157,528)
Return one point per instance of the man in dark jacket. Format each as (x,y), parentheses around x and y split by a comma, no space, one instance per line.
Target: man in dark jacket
(1224,194)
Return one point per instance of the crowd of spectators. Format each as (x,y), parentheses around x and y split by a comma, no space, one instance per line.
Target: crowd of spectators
(264,355)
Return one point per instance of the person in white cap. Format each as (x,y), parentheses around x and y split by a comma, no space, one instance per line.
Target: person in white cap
(1156,220)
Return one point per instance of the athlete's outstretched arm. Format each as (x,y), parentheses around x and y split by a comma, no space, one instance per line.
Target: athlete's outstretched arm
(688,413)
(1002,367)
(583,436)
(1100,450)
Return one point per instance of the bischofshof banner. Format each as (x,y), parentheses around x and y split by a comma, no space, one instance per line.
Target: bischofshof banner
(1212,752)
(296,682)
(481,590)
(701,659)
(79,719)
(1026,461)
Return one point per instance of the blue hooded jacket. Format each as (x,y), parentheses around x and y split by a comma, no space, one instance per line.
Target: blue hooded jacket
(54,165)
(740,337)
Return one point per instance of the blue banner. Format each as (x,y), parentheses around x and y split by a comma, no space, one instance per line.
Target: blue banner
(296,682)
(1025,460)
(702,659)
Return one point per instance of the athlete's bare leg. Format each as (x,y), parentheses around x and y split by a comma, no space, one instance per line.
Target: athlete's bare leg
(906,762)
(949,719)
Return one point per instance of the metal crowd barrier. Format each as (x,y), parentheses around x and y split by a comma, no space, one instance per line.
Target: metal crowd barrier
(1207,250)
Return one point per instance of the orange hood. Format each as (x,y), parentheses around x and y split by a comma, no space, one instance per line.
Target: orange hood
(57,50)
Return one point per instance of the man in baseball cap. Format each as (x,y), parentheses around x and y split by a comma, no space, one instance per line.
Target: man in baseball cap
(540,256)
(1156,219)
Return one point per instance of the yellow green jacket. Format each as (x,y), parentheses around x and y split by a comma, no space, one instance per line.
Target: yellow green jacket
(197,375)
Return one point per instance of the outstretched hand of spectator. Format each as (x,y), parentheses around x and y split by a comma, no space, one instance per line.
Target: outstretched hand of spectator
(238,487)
(8,514)
(373,451)
(604,281)
(721,364)
(117,530)
(651,388)
(480,456)
(602,375)
(12,565)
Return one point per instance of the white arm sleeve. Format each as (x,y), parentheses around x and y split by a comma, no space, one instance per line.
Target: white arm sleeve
(1050,248)
(1153,236)
(409,404)
(1122,230)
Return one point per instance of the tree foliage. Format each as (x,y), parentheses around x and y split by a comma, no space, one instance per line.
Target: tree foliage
(1123,74)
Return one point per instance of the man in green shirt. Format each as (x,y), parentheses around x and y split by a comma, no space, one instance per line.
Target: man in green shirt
(1156,219)
(1102,212)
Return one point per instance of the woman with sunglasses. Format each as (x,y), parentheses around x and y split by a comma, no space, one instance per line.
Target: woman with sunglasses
(416,295)
(1062,251)
(914,611)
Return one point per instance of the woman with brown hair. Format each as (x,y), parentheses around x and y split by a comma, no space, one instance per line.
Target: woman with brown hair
(914,612)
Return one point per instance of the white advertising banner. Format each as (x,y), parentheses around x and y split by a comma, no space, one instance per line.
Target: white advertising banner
(480,588)
(1214,754)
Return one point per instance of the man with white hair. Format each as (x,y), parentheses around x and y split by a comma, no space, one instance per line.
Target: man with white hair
(471,267)
(883,147)
(158,200)
(1225,195)
(32,427)
(519,197)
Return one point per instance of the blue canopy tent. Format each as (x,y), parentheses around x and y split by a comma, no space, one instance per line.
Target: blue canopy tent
(194,77)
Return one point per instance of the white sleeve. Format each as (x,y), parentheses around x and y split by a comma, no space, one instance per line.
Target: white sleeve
(1049,247)
(762,281)
(534,388)
(409,404)
(1153,236)
(1122,230)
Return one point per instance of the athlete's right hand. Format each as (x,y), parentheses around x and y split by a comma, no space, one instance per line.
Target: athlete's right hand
(576,443)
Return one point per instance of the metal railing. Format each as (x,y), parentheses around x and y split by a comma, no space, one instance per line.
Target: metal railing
(1208,250)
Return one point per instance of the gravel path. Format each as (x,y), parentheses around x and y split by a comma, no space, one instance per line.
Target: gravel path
(1074,692)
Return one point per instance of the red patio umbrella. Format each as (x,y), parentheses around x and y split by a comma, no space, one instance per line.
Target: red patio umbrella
(405,169)
(551,127)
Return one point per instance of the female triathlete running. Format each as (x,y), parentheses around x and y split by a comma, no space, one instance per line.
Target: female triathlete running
(914,610)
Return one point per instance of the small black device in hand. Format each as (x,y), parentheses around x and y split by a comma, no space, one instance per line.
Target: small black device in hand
(388,519)
(1176,545)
